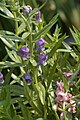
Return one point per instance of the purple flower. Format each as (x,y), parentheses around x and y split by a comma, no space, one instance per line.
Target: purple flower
(38,16)
(42,58)
(40,42)
(24,52)
(41,48)
(28,79)
(1,79)
(27,9)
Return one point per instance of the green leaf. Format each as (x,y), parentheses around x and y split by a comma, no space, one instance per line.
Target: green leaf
(63,50)
(18,117)
(41,91)
(6,11)
(10,36)
(21,28)
(17,90)
(10,64)
(76,35)
(8,77)
(7,43)
(13,55)
(73,54)
(69,116)
(10,54)
(8,98)
(40,119)
(25,35)
(46,28)
(29,98)
(74,74)
(26,113)
(12,111)
(12,101)
(33,62)
(13,38)
(50,75)
(57,45)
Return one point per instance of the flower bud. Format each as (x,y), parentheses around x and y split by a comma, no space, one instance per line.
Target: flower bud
(27,9)
(38,16)
(1,79)
(54,107)
(28,79)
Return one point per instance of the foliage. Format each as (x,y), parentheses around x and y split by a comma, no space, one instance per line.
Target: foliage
(33,61)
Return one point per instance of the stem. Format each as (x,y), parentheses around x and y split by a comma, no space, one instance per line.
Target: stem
(65,116)
(34,3)
(31,44)
(45,111)
(35,75)
(25,20)
(16,24)
(29,29)
(56,115)
(16,28)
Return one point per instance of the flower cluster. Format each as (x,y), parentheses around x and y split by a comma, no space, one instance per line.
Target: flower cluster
(1,79)
(64,98)
(40,45)
(24,52)
(42,57)
(27,9)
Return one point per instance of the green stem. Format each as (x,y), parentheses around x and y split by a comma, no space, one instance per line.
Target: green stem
(34,3)
(35,74)
(45,111)
(31,44)
(16,23)
(27,22)
(65,116)
(16,28)
(56,115)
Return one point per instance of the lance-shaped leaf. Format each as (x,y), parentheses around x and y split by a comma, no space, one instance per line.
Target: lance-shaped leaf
(41,91)
(46,28)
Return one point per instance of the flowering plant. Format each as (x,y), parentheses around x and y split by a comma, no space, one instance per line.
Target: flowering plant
(39,72)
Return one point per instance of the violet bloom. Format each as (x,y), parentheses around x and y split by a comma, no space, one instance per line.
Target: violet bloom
(28,79)
(1,79)
(38,16)
(24,52)
(42,58)
(40,42)
(41,48)
(27,9)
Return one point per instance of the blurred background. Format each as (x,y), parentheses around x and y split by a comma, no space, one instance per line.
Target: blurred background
(69,12)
